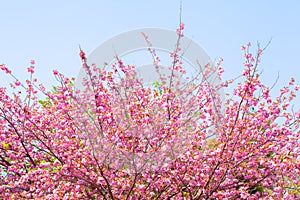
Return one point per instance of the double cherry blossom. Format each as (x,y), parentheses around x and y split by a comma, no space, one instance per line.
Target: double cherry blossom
(119,139)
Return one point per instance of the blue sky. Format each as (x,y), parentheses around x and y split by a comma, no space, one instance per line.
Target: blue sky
(50,31)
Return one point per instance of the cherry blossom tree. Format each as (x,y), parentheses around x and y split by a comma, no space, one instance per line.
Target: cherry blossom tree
(120,139)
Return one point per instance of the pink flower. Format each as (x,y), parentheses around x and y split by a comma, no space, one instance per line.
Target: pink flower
(259,52)
(181,26)
(30,69)
(4,68)
(248,55)
(17,83)
(55,72)
(247,64)
(292,81)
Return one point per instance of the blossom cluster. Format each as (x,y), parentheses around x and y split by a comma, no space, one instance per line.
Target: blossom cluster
(118,139)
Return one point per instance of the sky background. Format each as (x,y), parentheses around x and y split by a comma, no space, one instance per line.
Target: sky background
(50,32)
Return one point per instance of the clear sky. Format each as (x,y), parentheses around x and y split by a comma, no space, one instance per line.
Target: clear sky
(50,31)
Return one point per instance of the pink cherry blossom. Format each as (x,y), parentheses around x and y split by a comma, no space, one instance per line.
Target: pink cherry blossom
(121,139)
